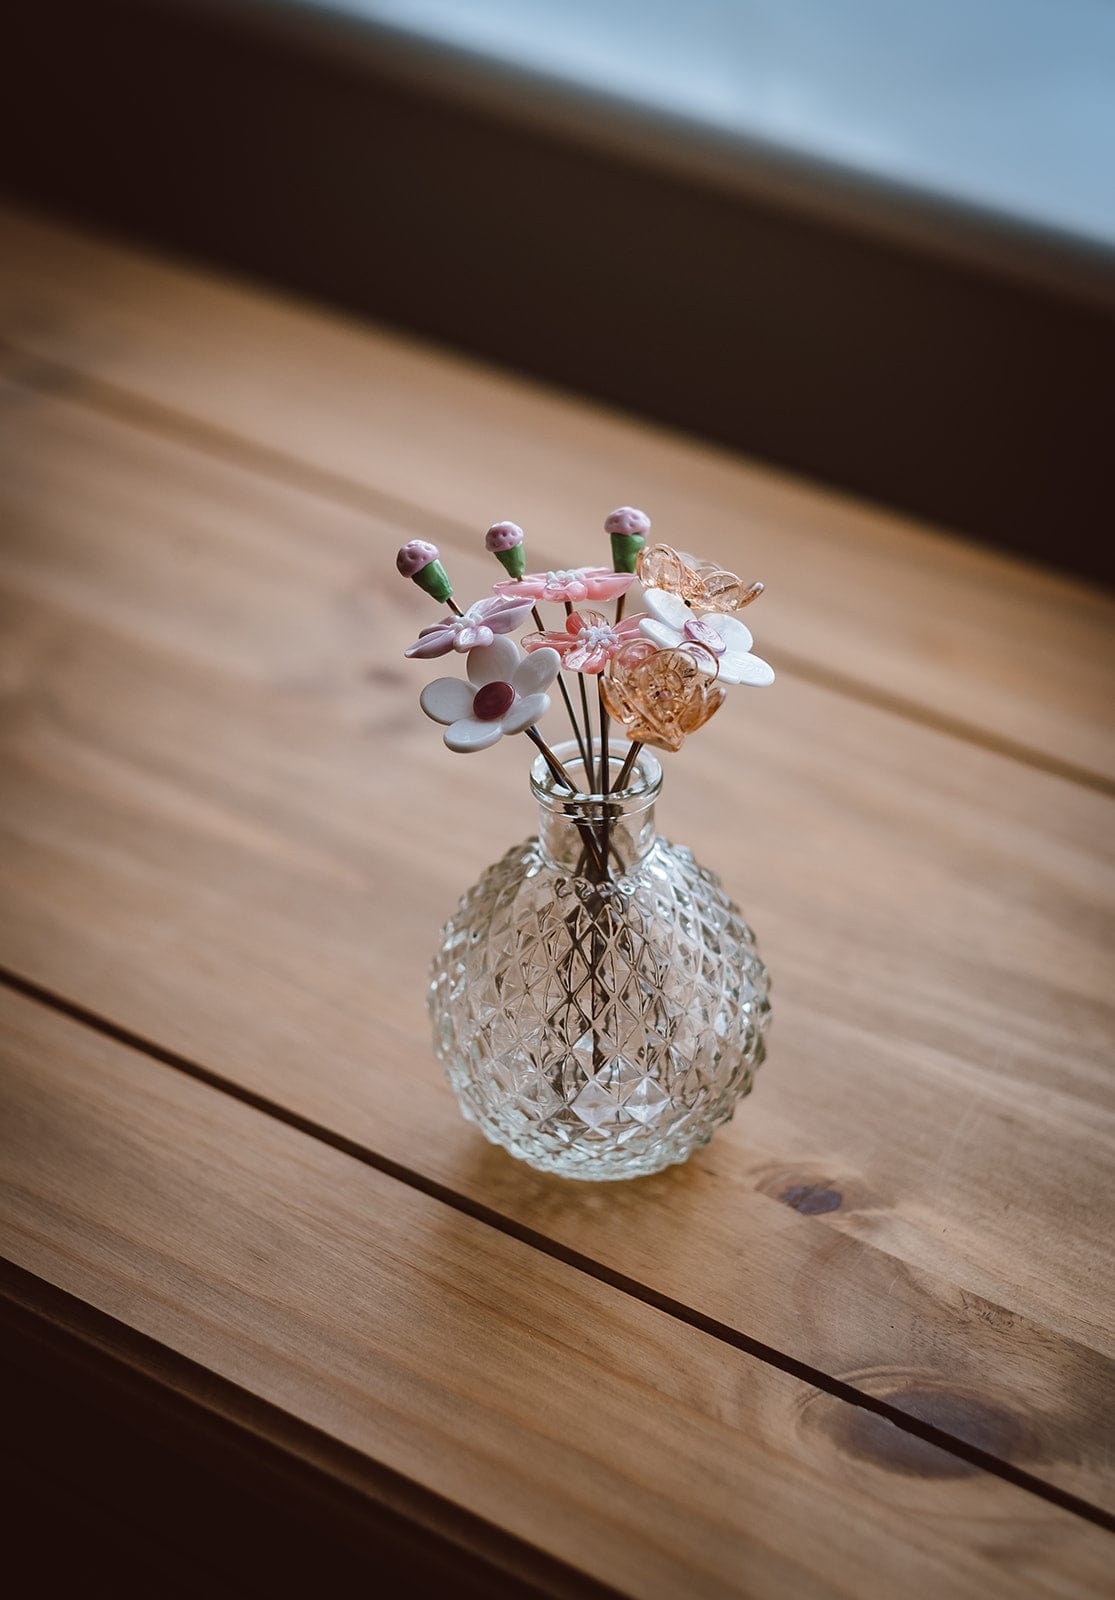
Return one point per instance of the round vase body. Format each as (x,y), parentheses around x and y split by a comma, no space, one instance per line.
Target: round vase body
(598,1022)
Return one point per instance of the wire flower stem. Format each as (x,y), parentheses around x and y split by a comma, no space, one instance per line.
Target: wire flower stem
(580,737)
(584,827)
(577,734)
(590,769)
(586,743)
(606,824)
(557,770)
(625,770)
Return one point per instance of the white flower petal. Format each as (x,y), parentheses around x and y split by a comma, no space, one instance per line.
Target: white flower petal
(528,708)
(472,734)
(446,699)
(494,663)
(660,633)
(668,608)
(537,671)
(733,632)
(736,666)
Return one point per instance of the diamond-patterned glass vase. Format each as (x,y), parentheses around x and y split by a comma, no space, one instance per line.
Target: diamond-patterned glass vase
(598,1021)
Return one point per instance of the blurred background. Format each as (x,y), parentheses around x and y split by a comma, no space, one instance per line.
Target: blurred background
(872,241)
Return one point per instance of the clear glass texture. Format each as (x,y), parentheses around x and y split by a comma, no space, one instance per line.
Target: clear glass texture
(597,1000)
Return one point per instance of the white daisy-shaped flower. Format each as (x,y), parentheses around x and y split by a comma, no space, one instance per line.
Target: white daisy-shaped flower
(671,623)
(505,693)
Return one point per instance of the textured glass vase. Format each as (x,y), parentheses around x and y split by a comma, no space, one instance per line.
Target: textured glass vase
(598,1023)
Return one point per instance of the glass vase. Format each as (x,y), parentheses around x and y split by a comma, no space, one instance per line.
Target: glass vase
(597,1000)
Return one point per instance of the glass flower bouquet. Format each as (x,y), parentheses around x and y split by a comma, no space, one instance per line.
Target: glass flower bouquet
(597,1000)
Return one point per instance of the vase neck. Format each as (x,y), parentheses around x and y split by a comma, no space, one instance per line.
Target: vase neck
(590,833)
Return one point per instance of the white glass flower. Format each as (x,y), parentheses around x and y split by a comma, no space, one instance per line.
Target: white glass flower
(505,694)
(671,623)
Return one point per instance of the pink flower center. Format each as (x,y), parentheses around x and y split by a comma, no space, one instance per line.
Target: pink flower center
(493,701)
(701,633)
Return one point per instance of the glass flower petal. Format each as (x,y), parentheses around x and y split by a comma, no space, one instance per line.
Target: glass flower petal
(537,671)
(446,699)
(468,734)
(527,710)
(497,661)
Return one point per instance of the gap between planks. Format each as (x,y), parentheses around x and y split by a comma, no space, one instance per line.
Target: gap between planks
(710,1326)
(50,377)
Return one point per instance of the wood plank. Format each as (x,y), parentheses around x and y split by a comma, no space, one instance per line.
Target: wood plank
(204,842)
(606,1433)
(171,1481)
(856,596)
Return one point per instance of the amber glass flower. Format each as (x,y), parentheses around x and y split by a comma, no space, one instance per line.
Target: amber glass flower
(701,583)
(660,696)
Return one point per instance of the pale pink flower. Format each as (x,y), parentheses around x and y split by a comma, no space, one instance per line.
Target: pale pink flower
(587,642)
(476,629)
(573,584)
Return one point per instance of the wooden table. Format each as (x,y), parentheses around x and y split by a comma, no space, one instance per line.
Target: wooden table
(861,1345)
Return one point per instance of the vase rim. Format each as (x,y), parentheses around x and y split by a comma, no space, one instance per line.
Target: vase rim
(641,790)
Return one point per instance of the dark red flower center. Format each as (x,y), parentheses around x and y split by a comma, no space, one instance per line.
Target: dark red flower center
(493,701)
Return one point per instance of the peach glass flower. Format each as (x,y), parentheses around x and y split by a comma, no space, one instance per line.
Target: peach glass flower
(660,696)
(701,583)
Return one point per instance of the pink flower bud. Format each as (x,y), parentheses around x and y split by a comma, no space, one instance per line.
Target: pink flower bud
(502,536)
(414,556)
(626,520)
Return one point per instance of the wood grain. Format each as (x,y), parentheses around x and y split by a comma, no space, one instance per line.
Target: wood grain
(205,842)
(860,598)
(604,1432)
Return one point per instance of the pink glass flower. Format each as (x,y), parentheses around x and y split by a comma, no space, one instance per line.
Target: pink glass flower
(587,642)
(475,630)
(573,584)
(505,693)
